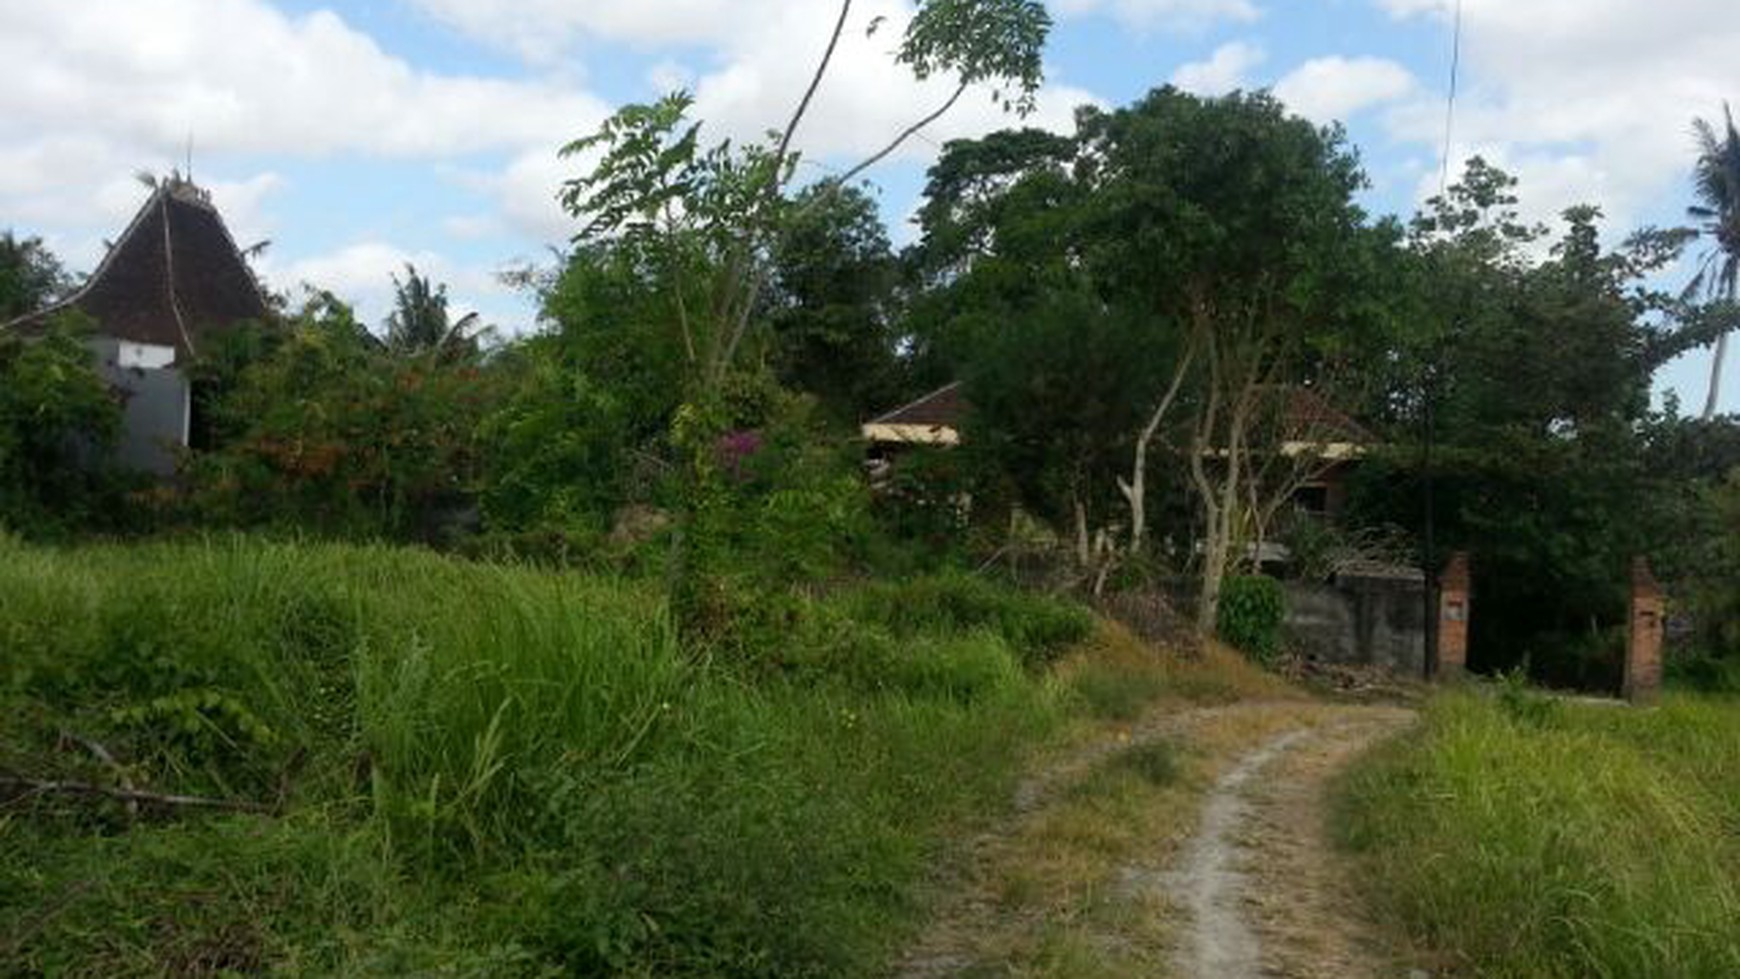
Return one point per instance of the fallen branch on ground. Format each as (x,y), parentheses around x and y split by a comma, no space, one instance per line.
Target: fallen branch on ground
(30,786)
(103,755)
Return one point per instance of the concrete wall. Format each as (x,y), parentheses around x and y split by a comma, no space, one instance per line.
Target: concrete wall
(1361,620)
(157,403)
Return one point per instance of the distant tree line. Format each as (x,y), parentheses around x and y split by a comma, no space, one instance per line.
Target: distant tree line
(1126,308)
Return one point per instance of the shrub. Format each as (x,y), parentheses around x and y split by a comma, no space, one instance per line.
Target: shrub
(56,414)
(1038,626)
(1252,611)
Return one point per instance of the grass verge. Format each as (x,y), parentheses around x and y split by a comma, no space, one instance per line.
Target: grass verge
(483,770)
(1522,837)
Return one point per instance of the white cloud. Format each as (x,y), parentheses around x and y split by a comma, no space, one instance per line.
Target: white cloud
(362,275)
(1586,101)
(1224,71)
(240,76)
(763,55)
(98,90)
(1180,15)
(1332,89)
(1589,100)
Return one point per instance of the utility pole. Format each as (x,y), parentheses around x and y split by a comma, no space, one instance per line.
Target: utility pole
(1431,523)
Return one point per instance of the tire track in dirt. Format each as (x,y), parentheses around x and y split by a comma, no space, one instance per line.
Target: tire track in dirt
(1259,889)
(1211,883)
(1253,890)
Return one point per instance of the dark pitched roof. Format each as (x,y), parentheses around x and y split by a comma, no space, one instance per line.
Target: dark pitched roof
(174,276)
(1311,417)
(942,408)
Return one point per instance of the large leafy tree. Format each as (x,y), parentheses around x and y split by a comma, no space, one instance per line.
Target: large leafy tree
(1716,180)
(1234,223)
(1182,259)
(832,303)
(1055,370)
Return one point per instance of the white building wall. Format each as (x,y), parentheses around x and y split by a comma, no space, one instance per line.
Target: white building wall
(157,403)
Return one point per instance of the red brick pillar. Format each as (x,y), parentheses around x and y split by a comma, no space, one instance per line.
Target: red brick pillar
(1644,639)
(1453,597)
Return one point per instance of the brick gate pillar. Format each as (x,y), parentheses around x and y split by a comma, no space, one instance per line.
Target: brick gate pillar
(1453,597)
(1643,667)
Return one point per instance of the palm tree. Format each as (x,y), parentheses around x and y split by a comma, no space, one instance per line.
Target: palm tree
(1716,180)
(419,323)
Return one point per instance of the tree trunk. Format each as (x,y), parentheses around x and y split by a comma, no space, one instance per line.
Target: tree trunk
(1710,406)
(1083,547)
(1214,559)
(1136,489)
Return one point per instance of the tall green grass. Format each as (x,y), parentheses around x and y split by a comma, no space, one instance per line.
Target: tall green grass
(1528,838)
(486,770)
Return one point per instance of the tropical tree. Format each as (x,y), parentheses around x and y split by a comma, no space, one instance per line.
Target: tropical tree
(1716,183)
(707,221)
(832,304)
(1234,223)
(420,323)
(30,276)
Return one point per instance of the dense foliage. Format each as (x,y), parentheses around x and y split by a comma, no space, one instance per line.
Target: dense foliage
(491,770)
(1131,311)
(57,417)
(324,429)
(30,276)
(1252,611)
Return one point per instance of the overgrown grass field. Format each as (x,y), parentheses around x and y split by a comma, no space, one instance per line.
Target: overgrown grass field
(1524,837)
(484,770)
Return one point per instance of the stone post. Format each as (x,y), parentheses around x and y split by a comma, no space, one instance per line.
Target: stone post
(1453,595)
(1643,667)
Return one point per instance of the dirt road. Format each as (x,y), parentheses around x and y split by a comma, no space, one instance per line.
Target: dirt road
(1225,872)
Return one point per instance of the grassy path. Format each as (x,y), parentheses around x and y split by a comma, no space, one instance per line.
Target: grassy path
(1191,844)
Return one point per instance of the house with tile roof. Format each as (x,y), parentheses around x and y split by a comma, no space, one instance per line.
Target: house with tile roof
(172,281)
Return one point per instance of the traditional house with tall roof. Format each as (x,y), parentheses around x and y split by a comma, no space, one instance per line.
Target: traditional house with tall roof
(172,281)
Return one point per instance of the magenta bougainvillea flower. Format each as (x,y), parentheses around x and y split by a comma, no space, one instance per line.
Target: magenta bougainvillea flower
(734,449)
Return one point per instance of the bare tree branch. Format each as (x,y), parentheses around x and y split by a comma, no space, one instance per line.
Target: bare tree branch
(900,140)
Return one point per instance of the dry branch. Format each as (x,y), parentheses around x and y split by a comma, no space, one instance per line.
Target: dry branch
(15,788)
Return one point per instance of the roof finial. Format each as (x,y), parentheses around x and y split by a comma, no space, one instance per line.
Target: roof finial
(190,156)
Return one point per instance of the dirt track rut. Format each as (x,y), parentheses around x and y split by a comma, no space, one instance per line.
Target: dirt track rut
(1244,883)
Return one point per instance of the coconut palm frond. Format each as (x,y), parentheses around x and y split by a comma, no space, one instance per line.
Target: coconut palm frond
(1716,187)
(1695,289)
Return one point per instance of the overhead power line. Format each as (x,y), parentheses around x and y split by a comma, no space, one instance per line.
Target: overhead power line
(1450,101)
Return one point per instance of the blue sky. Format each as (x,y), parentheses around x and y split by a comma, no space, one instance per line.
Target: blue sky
(356,136)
